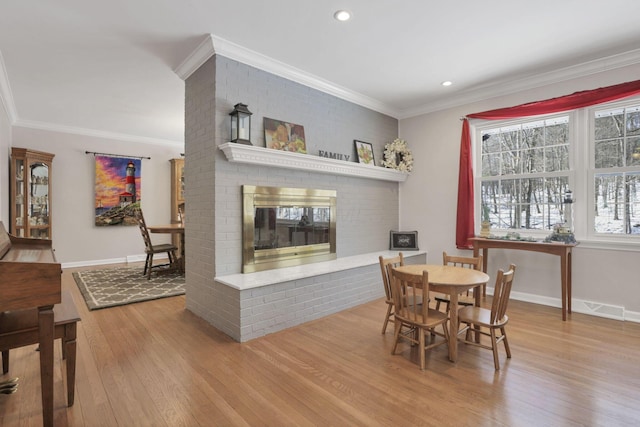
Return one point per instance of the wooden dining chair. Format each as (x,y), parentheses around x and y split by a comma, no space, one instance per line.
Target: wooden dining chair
(385,267)
(19,328)
(474,263)
(486,322)
(151,249)
(410,294)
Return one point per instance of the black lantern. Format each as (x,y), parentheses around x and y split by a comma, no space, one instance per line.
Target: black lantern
(241,124)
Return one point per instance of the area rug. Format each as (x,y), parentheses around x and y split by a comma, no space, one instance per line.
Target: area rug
(115,286)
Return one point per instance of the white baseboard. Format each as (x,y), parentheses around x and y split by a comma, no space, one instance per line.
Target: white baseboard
(126,260)
(94,262)
(632,316)
(608,311)
(136,258)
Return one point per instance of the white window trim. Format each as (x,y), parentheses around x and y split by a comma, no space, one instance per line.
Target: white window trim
(580,175)
(621,242)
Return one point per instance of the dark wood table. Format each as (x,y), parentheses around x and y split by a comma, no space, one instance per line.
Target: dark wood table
(563,250)
(452,281)
(30,277)
(172,229)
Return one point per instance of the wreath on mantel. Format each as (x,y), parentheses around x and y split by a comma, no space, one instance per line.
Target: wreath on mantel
(398,156)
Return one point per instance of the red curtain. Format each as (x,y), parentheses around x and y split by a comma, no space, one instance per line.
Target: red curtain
(465,220)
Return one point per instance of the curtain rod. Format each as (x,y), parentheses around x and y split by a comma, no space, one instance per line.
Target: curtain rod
(116,155)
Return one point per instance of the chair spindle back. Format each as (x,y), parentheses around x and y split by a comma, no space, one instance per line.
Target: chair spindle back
(386,264)
(501,293)
(410,295)
(143,228)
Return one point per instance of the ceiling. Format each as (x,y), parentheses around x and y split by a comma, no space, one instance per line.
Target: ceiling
(111,68)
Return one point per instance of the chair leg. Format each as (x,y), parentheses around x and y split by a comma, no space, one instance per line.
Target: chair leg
(446,332)
(150,258)
(506,343)
(386,318)
(69,349)
(146,265)
(494,347)
(5,361)
(467,336)
(397,327)
(421,345)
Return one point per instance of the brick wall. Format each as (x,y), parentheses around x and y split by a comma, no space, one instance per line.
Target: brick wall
(366,209)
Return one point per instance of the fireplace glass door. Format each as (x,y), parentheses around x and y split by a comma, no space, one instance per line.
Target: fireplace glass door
(287,226)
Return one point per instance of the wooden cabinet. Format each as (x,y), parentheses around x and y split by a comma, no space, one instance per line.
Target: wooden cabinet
(177,194)
(30,198)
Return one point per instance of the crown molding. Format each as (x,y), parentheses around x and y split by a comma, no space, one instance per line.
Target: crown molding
(6,96)
(94,133)
(195,59)
(531,82)
(214,45)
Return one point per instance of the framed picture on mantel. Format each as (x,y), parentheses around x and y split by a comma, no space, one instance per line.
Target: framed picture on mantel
(284,136)
(403,240)
(365,152)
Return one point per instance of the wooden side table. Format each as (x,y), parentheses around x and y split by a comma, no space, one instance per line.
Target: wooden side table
(563,250)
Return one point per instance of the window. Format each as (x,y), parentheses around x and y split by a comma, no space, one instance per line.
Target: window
(616,170)
(525,173)
(528,165)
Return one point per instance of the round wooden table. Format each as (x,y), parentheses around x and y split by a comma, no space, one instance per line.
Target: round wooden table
(452,281)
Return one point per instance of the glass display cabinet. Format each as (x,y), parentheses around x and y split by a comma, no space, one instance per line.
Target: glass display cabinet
(30,196)
(177,195)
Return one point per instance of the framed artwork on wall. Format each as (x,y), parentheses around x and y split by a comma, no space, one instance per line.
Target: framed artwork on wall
(284,136)
(403,240)
(365,152)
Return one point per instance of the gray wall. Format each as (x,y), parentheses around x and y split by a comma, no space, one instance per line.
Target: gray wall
(367,209)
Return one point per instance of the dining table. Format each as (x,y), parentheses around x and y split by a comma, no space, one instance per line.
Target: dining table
(452,281)
(172,229)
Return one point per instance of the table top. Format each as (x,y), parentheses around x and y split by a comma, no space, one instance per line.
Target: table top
(447,275)
(166,228)
(531,243)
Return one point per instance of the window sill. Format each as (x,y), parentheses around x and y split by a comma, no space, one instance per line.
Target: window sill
(631,245)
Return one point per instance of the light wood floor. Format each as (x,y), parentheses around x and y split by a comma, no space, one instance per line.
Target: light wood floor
(156,364)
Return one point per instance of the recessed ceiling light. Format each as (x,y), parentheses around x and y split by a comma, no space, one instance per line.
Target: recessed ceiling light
(342,15)
(447,83)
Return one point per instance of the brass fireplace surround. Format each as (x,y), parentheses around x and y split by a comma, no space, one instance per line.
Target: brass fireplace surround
(284,227)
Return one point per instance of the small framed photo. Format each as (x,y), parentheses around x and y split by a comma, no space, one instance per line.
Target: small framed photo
(365,152)
(403,240)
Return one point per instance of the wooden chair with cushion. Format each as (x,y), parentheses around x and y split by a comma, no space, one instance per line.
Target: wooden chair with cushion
(411,304)
(474,263)
(151,249)
(385,266)
(19,328)
(477,318)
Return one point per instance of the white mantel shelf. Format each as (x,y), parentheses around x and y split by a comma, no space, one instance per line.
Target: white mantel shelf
(250,154)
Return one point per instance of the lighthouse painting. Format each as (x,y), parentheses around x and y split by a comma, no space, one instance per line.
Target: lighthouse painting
(117,190)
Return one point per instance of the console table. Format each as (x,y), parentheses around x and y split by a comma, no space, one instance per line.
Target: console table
(563,250)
